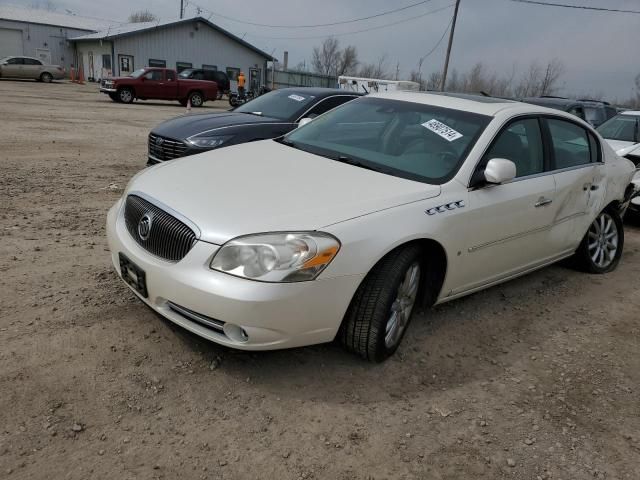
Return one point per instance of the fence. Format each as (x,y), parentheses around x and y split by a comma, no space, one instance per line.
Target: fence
(291,78)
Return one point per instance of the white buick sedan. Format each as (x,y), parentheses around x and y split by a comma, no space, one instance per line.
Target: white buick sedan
(344,226)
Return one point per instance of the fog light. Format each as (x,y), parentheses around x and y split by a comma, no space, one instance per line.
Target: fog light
(236,333)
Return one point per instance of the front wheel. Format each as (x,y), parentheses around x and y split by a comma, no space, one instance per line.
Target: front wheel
(381,309)
(601,247)
(125,95)
(46,77)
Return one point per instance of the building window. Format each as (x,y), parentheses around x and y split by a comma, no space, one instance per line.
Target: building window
(210,67)
(126,64)
(180,66)
(157,63)
(106,61)
(233,73)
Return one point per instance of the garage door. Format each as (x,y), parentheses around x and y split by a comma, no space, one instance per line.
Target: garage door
(10,42)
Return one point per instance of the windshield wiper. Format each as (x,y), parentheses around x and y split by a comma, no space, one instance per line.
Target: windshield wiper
(356,163)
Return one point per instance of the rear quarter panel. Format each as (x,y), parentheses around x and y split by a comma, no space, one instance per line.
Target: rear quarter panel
(208,89)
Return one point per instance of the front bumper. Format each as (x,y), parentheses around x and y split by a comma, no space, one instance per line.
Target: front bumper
(273,315)
(108,90)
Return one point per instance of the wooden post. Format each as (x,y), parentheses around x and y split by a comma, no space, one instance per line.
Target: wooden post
(446,62)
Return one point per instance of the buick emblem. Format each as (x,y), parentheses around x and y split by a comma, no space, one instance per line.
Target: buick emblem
(144,227)
(159,141)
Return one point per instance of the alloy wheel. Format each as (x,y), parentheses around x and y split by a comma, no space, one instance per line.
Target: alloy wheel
(402,306)
(196,100)
(603,240)
(126,95)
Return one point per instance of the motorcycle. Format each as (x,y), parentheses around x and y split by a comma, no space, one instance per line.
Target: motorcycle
(236,99)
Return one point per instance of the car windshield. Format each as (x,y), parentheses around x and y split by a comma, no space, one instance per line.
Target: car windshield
(285,105)
(137,73)
(621,127)
(409,140)
(594,115)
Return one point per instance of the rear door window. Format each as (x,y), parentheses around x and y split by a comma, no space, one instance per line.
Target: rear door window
(570,144)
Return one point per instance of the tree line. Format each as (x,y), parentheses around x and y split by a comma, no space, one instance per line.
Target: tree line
(538,79)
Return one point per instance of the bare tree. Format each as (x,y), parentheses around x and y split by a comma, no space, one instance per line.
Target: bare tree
(348,61)
(329,59)
(142,16)
(549,81)
(434,81)
(376,69)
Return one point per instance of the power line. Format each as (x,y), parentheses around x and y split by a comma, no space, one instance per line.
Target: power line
(356,31)
(389,12)
(444,34)
(579,7)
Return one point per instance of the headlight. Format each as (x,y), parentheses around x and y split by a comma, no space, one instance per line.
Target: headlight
(277,257)
(210,141)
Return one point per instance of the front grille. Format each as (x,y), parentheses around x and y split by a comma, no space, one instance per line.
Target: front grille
(197,317)
(168,238)
(163,148)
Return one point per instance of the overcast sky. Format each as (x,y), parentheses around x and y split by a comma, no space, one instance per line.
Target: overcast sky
(600,51)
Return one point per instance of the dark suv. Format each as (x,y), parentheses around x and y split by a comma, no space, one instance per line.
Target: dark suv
(593,111)
(211,75)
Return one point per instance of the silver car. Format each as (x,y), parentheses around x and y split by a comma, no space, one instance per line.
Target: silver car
(27,67)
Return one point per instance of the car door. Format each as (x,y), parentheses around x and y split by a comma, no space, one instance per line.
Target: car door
(506,227)
(151,84)
(13,68)
(32,68)
(579,175)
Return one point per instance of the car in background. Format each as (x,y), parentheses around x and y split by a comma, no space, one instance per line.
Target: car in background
(268,116)
(159,84)
(28,67)
(622,132)
(221,78)
(346,226)
(593,111)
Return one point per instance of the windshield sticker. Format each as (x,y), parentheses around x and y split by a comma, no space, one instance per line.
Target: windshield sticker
(441,129)
(297,98)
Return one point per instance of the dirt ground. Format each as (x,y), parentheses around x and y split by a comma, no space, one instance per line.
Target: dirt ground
(535,379)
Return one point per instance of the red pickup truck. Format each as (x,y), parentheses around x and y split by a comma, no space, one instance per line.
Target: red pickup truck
(159,84)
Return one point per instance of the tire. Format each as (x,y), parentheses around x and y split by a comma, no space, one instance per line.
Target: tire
(196,98)
(233,101)
(601,248)
(125,95)
(114,97)
(381,308)
(46,77)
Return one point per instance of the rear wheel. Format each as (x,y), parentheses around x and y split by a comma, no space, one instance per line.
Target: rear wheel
(196,99)
(125,95)
(46,77)
(381,309)
(601,247)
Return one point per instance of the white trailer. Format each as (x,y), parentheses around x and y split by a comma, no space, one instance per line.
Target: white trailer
(373,85)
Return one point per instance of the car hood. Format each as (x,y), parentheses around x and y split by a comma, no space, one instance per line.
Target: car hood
(266,187)
(185,126)
(622,147)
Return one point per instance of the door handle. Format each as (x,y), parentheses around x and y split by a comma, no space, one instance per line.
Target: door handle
(542,202)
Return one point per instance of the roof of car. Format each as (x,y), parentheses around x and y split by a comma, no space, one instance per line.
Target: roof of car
(555,101)
(319,91)
(480,104)
(631,112)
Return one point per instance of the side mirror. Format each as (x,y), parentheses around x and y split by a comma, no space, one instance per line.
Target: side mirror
(499,170)
(304,121)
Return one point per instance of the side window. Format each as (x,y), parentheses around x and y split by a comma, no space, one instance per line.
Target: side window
(32,61)
(577,111)
(569,143)
(155,75)
(171,75)
(16,61)
(520,142)
(328,104)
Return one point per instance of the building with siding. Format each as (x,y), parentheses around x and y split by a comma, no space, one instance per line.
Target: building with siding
(43,34)
(108,48)
(179,44)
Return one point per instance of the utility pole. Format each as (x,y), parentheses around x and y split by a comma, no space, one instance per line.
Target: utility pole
(181,9)
(446,62)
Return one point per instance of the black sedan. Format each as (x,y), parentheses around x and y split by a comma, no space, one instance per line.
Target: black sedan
(268,116)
